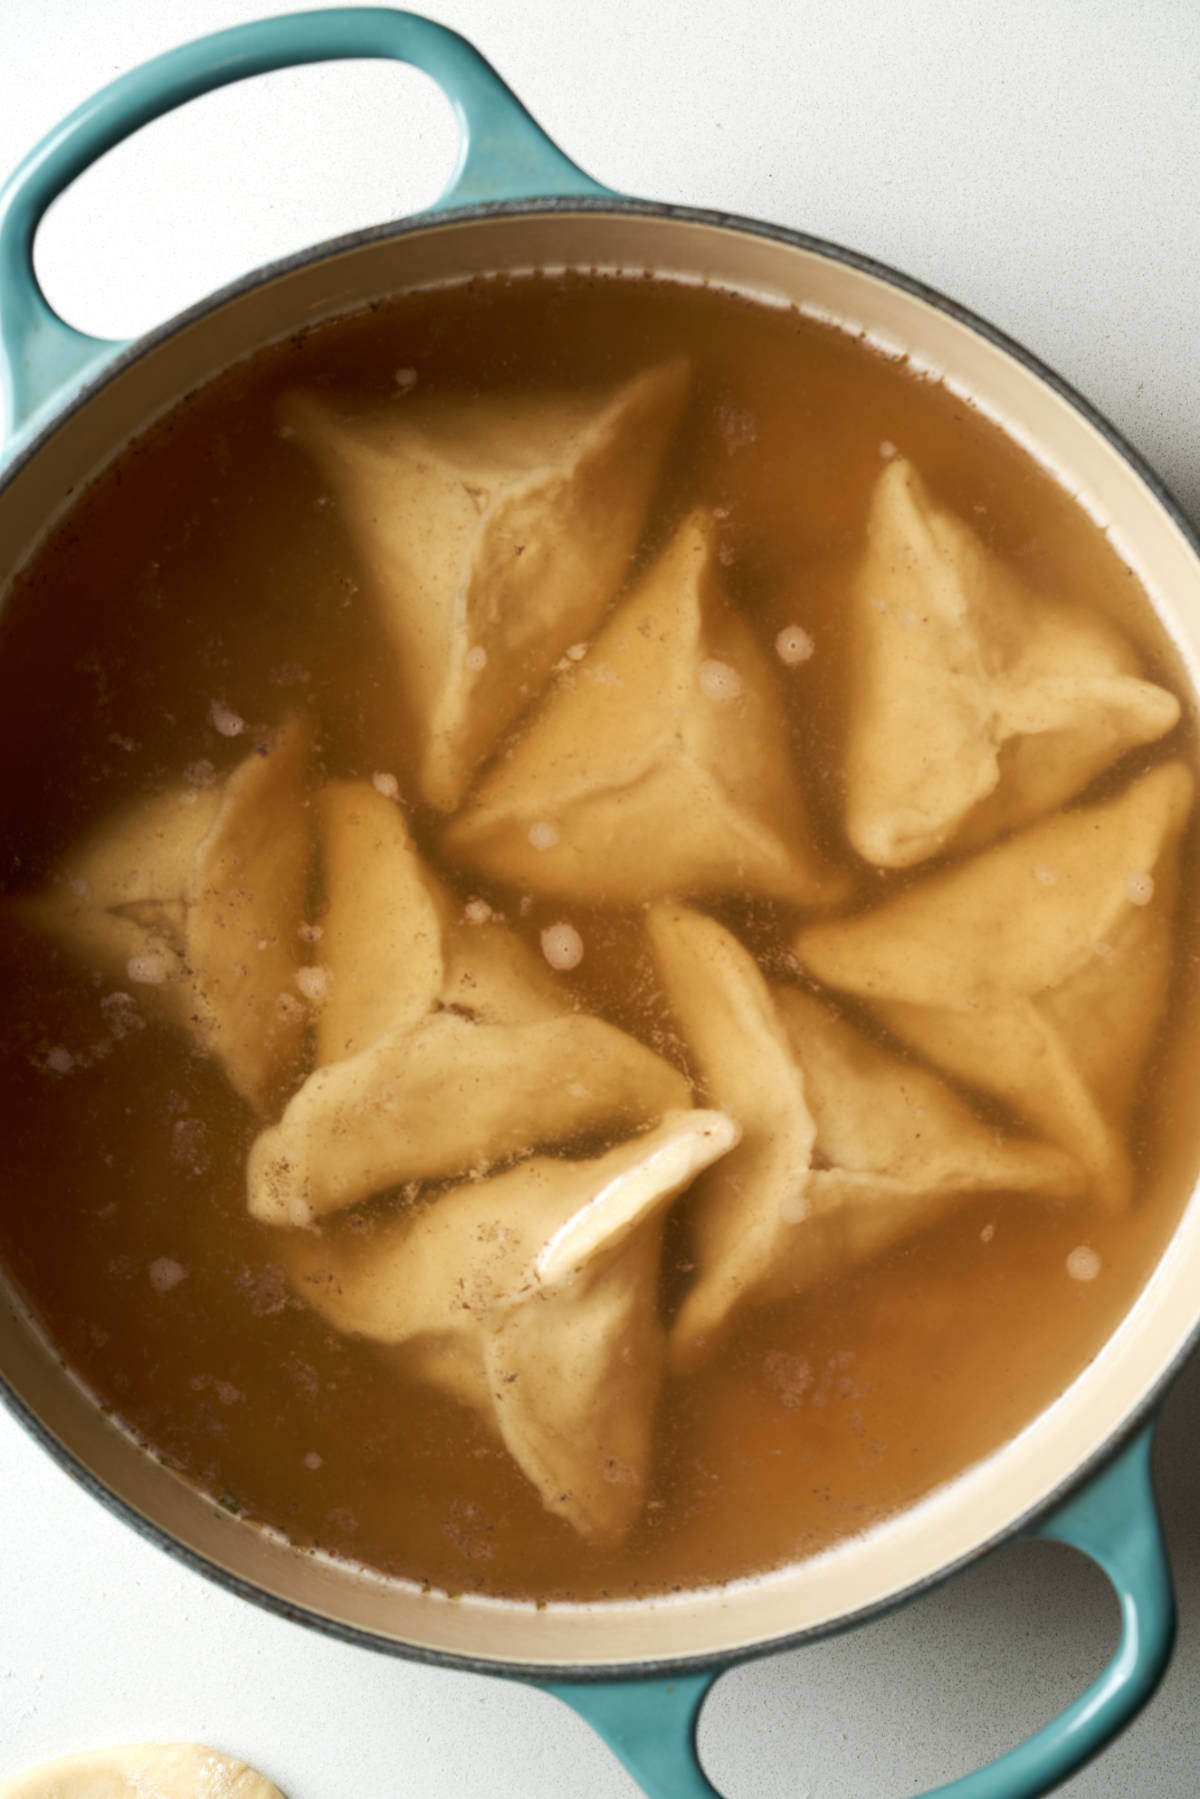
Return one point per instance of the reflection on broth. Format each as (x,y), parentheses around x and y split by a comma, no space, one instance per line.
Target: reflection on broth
(591,946)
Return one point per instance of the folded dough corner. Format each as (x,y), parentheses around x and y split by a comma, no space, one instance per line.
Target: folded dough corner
(494,531)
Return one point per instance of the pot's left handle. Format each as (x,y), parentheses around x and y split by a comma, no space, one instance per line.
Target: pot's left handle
(651,1724)
(503,155)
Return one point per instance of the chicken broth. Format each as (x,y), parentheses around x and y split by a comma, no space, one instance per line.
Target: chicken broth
(690,1067)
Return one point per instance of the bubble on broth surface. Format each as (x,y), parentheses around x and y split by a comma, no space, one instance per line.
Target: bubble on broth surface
(225,720)
(1083,1264)
(562,946)
(793,645)
(718,681)
(313,983)
(165,1273)
(150,970)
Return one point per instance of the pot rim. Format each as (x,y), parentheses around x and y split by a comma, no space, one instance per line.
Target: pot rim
(713,1661)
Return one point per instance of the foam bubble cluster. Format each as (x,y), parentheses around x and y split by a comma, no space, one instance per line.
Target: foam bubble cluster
(313,983)
(150,970)
(166,1273)
(225,720)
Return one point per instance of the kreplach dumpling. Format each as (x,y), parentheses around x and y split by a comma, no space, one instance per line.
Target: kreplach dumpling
(195,899)
(494,531)
(533,1298)
(976,704)
(1037,971)
(445,1056)
(845,1148)
(660,763)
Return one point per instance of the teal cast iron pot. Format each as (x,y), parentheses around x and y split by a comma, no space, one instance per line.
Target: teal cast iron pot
(637,1671)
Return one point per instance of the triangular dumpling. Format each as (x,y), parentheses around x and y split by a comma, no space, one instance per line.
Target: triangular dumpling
(845,1147)
(977,704)
(447,1097)
(393,948)
(495,530)
(1038,971)
(659,765)
(197,897)
(533,1297)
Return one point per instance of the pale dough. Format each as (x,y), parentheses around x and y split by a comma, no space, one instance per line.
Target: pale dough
(142,1771)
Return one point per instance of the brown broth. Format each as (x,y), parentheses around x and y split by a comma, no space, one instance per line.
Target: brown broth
(206,564)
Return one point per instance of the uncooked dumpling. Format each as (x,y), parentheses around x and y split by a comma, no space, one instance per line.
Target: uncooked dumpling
(1038,971)
(495,530)
(142,1771)
(746,1067)
(393,947)
(448,1097)
(195,898)
(845,1148)
(660,765)
(977,704)
(533,1297)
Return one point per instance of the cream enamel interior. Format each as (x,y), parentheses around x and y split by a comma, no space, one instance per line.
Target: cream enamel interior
(993,1496)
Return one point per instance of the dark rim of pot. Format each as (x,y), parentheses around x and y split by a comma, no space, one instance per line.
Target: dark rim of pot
(716,1660)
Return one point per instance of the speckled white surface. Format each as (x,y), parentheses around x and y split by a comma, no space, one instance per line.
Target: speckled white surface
(1037,159)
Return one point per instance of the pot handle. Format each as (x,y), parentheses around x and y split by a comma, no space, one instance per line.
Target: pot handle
(503,155)
(651,1724)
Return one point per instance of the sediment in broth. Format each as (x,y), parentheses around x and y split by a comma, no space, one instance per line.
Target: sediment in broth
(207,591)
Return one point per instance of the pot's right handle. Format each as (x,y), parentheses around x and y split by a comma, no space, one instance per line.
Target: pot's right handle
(503,155)
(651,1724)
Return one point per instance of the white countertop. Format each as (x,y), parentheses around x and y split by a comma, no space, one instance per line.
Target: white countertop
(1040,161)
